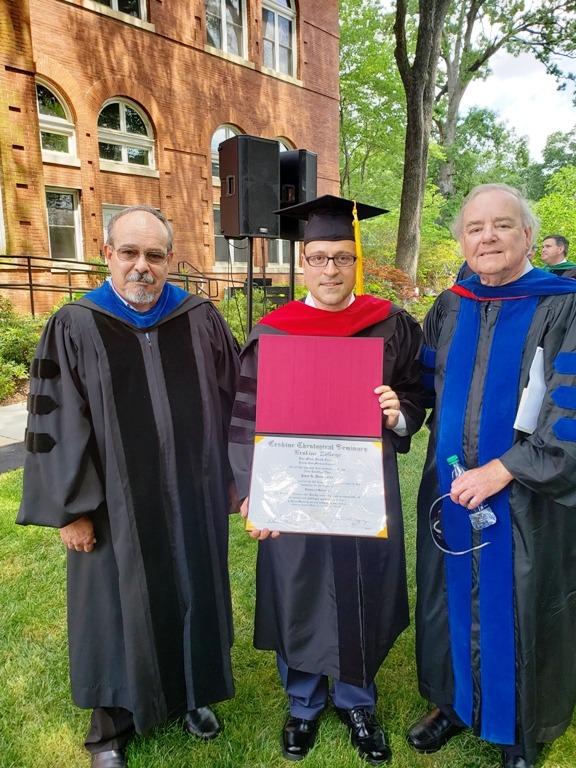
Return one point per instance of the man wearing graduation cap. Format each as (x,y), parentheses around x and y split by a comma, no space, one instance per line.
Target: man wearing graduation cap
(359,583)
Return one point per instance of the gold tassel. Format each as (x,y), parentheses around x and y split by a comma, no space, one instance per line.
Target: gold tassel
(359,266)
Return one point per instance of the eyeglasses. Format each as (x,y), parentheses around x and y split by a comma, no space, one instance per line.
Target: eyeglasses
(341,260)
(131,254)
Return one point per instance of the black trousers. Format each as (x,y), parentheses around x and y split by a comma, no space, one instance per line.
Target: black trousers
(110,728)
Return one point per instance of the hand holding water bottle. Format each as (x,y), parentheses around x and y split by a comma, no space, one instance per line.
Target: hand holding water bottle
(474,486)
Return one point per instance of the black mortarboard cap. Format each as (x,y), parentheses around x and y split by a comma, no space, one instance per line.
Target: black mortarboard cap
(329,217)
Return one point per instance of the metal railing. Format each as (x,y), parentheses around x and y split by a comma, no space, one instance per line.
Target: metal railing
(69,278)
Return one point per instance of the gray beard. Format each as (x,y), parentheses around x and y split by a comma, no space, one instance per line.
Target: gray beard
(140,294)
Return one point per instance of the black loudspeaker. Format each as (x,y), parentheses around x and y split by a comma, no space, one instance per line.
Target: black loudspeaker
(298,169)
(249,187)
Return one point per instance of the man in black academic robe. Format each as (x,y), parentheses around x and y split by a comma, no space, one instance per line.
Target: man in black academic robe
(495,626)
(131,394)
(332,606)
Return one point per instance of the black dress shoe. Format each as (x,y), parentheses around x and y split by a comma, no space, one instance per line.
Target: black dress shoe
(298,737)
(432,731)
(113,758)
(202,722)
(514,761)
(366,735)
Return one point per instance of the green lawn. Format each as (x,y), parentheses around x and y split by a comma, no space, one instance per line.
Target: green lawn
(41,728)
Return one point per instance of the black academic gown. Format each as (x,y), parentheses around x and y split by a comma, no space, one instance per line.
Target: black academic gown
(130,428)
(565,269)
(334,605)
(543,519)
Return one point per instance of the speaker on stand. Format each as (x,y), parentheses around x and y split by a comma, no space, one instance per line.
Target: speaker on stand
(298,183)
(249,194)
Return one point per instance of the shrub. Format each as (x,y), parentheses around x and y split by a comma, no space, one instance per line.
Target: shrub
(18,342)
(19,336)
(10,374)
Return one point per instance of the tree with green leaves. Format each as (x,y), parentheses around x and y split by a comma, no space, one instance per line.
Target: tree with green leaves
(372,117)
(418,73)
(556,208)
(485,149)
(474,31)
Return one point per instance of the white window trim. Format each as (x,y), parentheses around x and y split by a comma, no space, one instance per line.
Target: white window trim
(130,169)
(91,5)
(114,208)
(124,139)
(59,126)
(229,265)
(233,132)
(282,76)
(233,56)
(77,219)
(290,14)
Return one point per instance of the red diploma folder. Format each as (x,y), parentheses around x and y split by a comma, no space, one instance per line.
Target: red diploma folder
(311,385)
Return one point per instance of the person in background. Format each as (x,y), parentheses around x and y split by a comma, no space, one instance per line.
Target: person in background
(554,253)
(131,395)
(332,606)
(495,621)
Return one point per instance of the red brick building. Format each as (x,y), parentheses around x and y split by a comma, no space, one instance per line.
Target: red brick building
(109,103)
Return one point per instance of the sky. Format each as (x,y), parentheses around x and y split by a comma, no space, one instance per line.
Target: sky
(521,92)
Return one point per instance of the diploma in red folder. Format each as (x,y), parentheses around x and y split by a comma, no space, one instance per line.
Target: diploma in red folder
(317,464)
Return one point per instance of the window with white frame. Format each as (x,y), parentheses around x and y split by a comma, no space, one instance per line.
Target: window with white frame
(221,133)
(229,252)
(64,223)
(125,137)
(225,26)
(278,32)
(108,211)
(279,253)
(57,130)
(135,8)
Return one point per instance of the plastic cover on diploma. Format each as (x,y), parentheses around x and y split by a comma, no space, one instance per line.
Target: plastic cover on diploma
(317,464)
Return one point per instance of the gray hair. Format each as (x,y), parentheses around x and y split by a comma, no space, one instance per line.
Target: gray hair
(528,218)
(147,209)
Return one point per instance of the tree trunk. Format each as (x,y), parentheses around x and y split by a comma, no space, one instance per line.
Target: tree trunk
(419,82)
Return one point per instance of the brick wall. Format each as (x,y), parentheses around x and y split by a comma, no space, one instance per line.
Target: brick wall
(186,93)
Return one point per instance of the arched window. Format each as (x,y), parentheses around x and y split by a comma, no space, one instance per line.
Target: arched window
(57,131)
(278,28)
(221,133)
(225,26)
(125,137)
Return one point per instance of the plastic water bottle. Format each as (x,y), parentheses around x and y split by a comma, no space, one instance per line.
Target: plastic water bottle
(481,516)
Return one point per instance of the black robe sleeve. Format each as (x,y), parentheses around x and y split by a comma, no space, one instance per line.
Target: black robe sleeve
(61,480)
(541,461)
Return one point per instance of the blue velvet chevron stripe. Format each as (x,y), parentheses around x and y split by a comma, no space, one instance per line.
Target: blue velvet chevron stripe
(496,605)
(566,363)
(565,397)
(565,429)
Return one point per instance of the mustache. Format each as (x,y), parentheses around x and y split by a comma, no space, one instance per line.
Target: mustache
(140,277)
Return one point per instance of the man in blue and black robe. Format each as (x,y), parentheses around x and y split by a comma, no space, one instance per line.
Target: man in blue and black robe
(496,626)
